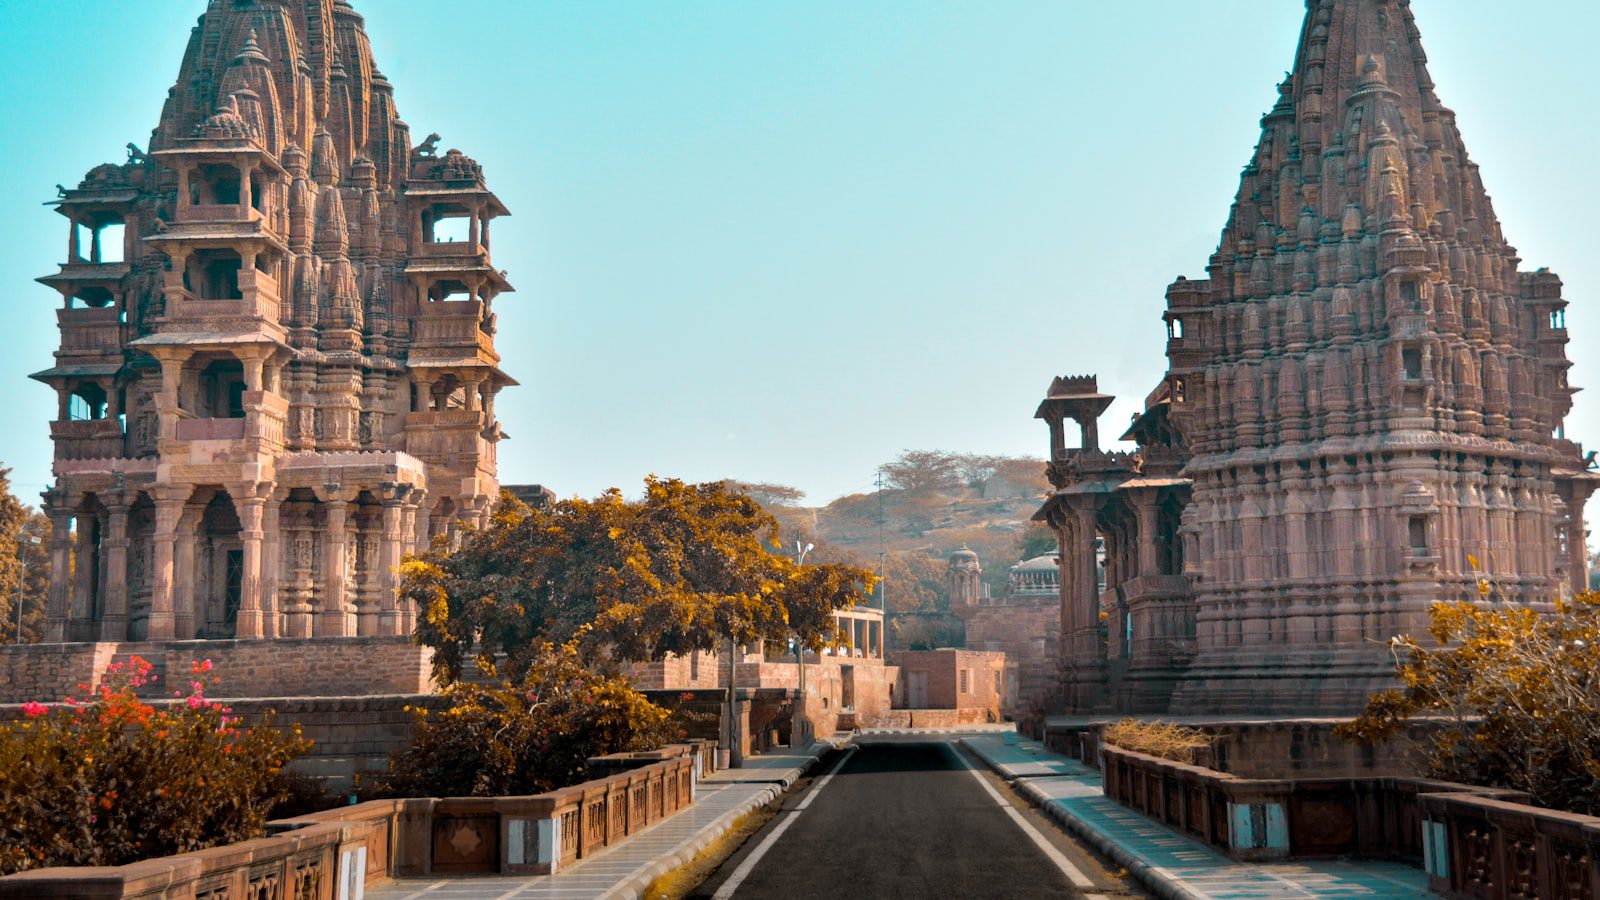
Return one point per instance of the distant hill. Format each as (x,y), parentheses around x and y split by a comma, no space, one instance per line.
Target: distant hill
(933,502)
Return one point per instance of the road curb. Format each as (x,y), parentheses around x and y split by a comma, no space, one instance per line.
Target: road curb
(634,886)
(1150,877)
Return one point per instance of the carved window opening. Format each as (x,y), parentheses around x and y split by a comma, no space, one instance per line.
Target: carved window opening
(221,390)
(214,274)
(449,292)
(216,186)
(100,239)
(1411,363)
(1175,328)
(1417,532)
(88,402)
(1558,319)
(92,298)
(448,229)
(1408,296)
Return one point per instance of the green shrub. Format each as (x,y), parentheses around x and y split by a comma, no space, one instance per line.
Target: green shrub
(105,779)
(534,736)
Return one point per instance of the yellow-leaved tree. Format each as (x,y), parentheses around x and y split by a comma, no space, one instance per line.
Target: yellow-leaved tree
(1516,696)
(686,567)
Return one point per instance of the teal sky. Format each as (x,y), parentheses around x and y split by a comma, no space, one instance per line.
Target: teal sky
(783,241)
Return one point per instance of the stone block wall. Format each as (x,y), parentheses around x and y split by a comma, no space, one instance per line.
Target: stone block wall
(302,667)
(51,671)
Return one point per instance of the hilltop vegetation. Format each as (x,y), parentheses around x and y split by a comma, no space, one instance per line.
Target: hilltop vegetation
(932,502)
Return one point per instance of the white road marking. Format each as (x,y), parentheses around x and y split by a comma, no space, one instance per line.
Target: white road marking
(745,868)
(1074,874)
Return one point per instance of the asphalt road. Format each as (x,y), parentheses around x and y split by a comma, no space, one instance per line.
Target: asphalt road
(912,819)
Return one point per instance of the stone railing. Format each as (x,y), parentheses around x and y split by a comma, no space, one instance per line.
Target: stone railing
(317,857)
(210,429)
(337,852)
(1492,848)
(1256,819)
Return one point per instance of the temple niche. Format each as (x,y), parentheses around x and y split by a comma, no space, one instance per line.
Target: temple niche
(277,371)
(1362,414)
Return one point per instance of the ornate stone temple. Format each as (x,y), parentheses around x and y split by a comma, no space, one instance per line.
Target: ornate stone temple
(277,370)
(1362,414)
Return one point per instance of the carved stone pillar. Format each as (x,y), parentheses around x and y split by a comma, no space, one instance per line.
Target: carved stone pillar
(114,626)
(388,562)
(1144,505)
(299,555)
(422,534)
(188,608)
(55,627)
(168,509)
(249,623)
(1086,644)
(271,559)
(334,619)
(363,555)
(80,609)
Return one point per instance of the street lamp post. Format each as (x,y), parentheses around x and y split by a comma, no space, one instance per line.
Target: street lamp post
(24,538)
(797,730)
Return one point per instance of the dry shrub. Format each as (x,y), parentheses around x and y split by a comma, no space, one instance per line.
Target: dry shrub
(1163,739)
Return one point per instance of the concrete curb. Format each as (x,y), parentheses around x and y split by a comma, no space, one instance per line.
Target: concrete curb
(633,887)
(1151,878)
(1006,728)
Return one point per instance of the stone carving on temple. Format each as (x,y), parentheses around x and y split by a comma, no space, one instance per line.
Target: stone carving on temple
(265,337)
(1362,414)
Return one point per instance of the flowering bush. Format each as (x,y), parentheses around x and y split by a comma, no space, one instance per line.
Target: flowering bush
(105,779)
(1516,693)
(523,738)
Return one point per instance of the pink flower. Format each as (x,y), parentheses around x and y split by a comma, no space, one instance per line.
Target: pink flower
(31,709)
(195,701)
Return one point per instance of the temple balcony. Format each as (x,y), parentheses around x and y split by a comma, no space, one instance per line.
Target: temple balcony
(209,430)
(469,254)
(87,438)
(453,329)
(452,438)
(246,295)
(218,212)
(90,331)
(259,430)
(81,273)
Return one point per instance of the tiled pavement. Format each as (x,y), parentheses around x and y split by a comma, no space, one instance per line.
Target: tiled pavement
(626,870)
(1168,863)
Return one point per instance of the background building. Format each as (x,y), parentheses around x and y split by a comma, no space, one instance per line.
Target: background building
(1024,625)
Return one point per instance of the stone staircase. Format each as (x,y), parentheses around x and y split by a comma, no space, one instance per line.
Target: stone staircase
(155,687)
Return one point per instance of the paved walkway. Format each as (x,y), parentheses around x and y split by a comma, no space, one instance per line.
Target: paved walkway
(1171,864)
(626,870)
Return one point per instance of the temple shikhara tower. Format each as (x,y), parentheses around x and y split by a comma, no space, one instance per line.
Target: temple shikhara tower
(1362,415)
(276,375)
